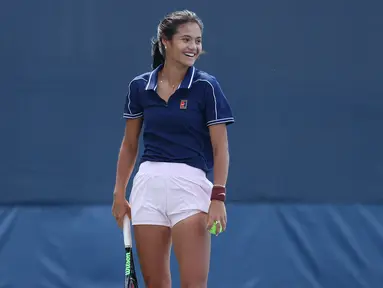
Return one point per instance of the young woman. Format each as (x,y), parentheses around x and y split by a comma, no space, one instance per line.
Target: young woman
(185,114)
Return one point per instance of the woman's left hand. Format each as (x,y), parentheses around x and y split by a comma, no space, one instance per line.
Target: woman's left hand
(217,212)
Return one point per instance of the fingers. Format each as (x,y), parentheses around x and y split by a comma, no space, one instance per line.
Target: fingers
(220,224)
(210,222)
(128,210)
(120,221)
(119,217)
(223,223)
(119,211)
(220,221)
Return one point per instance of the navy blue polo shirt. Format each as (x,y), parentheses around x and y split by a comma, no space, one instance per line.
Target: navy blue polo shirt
(177,130)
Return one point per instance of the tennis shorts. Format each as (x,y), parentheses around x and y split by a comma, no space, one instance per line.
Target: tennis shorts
(167,193)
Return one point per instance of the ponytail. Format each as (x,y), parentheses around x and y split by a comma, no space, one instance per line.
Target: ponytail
(158,58)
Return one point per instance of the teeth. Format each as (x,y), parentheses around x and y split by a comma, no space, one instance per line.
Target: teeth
(189,54)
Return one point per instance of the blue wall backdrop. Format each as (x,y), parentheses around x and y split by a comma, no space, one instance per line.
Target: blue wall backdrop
(305,81)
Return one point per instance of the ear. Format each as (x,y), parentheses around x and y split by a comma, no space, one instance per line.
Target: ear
(165,42)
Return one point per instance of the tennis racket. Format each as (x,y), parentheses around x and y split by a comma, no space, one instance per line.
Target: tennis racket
(130,272)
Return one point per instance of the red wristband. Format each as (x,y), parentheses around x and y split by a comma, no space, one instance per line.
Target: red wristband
(218,193)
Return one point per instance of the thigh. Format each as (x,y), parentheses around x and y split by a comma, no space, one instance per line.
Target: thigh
(187,196)
(147,201)
(153,248)
(191,242)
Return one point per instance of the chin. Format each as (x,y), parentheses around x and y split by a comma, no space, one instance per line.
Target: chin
(189,62)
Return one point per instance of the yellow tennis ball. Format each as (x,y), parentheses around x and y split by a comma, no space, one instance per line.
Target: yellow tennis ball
(213,229)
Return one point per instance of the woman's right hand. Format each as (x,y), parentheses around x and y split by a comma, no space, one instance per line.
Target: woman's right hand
(120,208)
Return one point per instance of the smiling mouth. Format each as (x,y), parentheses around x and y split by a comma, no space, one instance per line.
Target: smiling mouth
(191,55)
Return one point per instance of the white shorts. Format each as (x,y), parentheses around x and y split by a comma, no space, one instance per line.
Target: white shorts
(166,193)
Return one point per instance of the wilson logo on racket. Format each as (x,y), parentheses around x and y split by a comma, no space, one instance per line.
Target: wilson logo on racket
(127,264)
(184,104)
(130,271)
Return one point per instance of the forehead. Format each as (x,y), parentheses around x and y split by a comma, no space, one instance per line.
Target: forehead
(190,29)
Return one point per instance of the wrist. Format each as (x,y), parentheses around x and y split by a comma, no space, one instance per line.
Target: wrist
(219,185)
(218,193)
(119,193)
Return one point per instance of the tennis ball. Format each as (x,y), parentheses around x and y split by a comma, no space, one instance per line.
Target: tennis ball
(213,229)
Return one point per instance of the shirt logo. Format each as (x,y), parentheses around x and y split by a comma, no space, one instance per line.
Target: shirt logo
(184,104)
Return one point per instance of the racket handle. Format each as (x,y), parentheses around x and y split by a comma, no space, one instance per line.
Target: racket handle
(127,232)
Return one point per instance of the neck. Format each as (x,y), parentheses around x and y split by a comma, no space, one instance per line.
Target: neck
(173,74)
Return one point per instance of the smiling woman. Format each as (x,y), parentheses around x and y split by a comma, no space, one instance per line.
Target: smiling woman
(185,137)
(179,38)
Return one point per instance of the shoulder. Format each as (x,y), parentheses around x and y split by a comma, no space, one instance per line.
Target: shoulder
(137,86)
(140,81)
(208,83)
(204,78)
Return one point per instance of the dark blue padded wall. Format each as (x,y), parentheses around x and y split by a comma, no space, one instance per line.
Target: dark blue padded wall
(304,81)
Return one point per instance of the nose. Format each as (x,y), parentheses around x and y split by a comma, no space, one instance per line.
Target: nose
(192,46)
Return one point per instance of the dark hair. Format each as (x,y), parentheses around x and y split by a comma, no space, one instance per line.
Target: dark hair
(166,29)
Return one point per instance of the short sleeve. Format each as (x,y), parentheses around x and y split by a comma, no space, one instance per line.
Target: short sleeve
(133,108)
(217,108)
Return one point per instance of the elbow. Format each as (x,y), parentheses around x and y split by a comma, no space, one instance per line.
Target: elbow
(130,147)
(221,150)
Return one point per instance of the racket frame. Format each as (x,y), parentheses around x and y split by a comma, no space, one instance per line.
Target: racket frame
(130,272)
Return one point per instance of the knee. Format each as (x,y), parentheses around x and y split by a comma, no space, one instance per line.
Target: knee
(194,283)
(157,282)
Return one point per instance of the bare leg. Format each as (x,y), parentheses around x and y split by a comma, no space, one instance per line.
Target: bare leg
(153,249)
(191,243)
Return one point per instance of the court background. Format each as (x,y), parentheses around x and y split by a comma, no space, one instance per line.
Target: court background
(304,80)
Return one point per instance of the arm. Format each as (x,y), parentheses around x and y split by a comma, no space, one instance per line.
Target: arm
(218,115)
(217,211)
(133,113)
(127,155)
(219,141)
